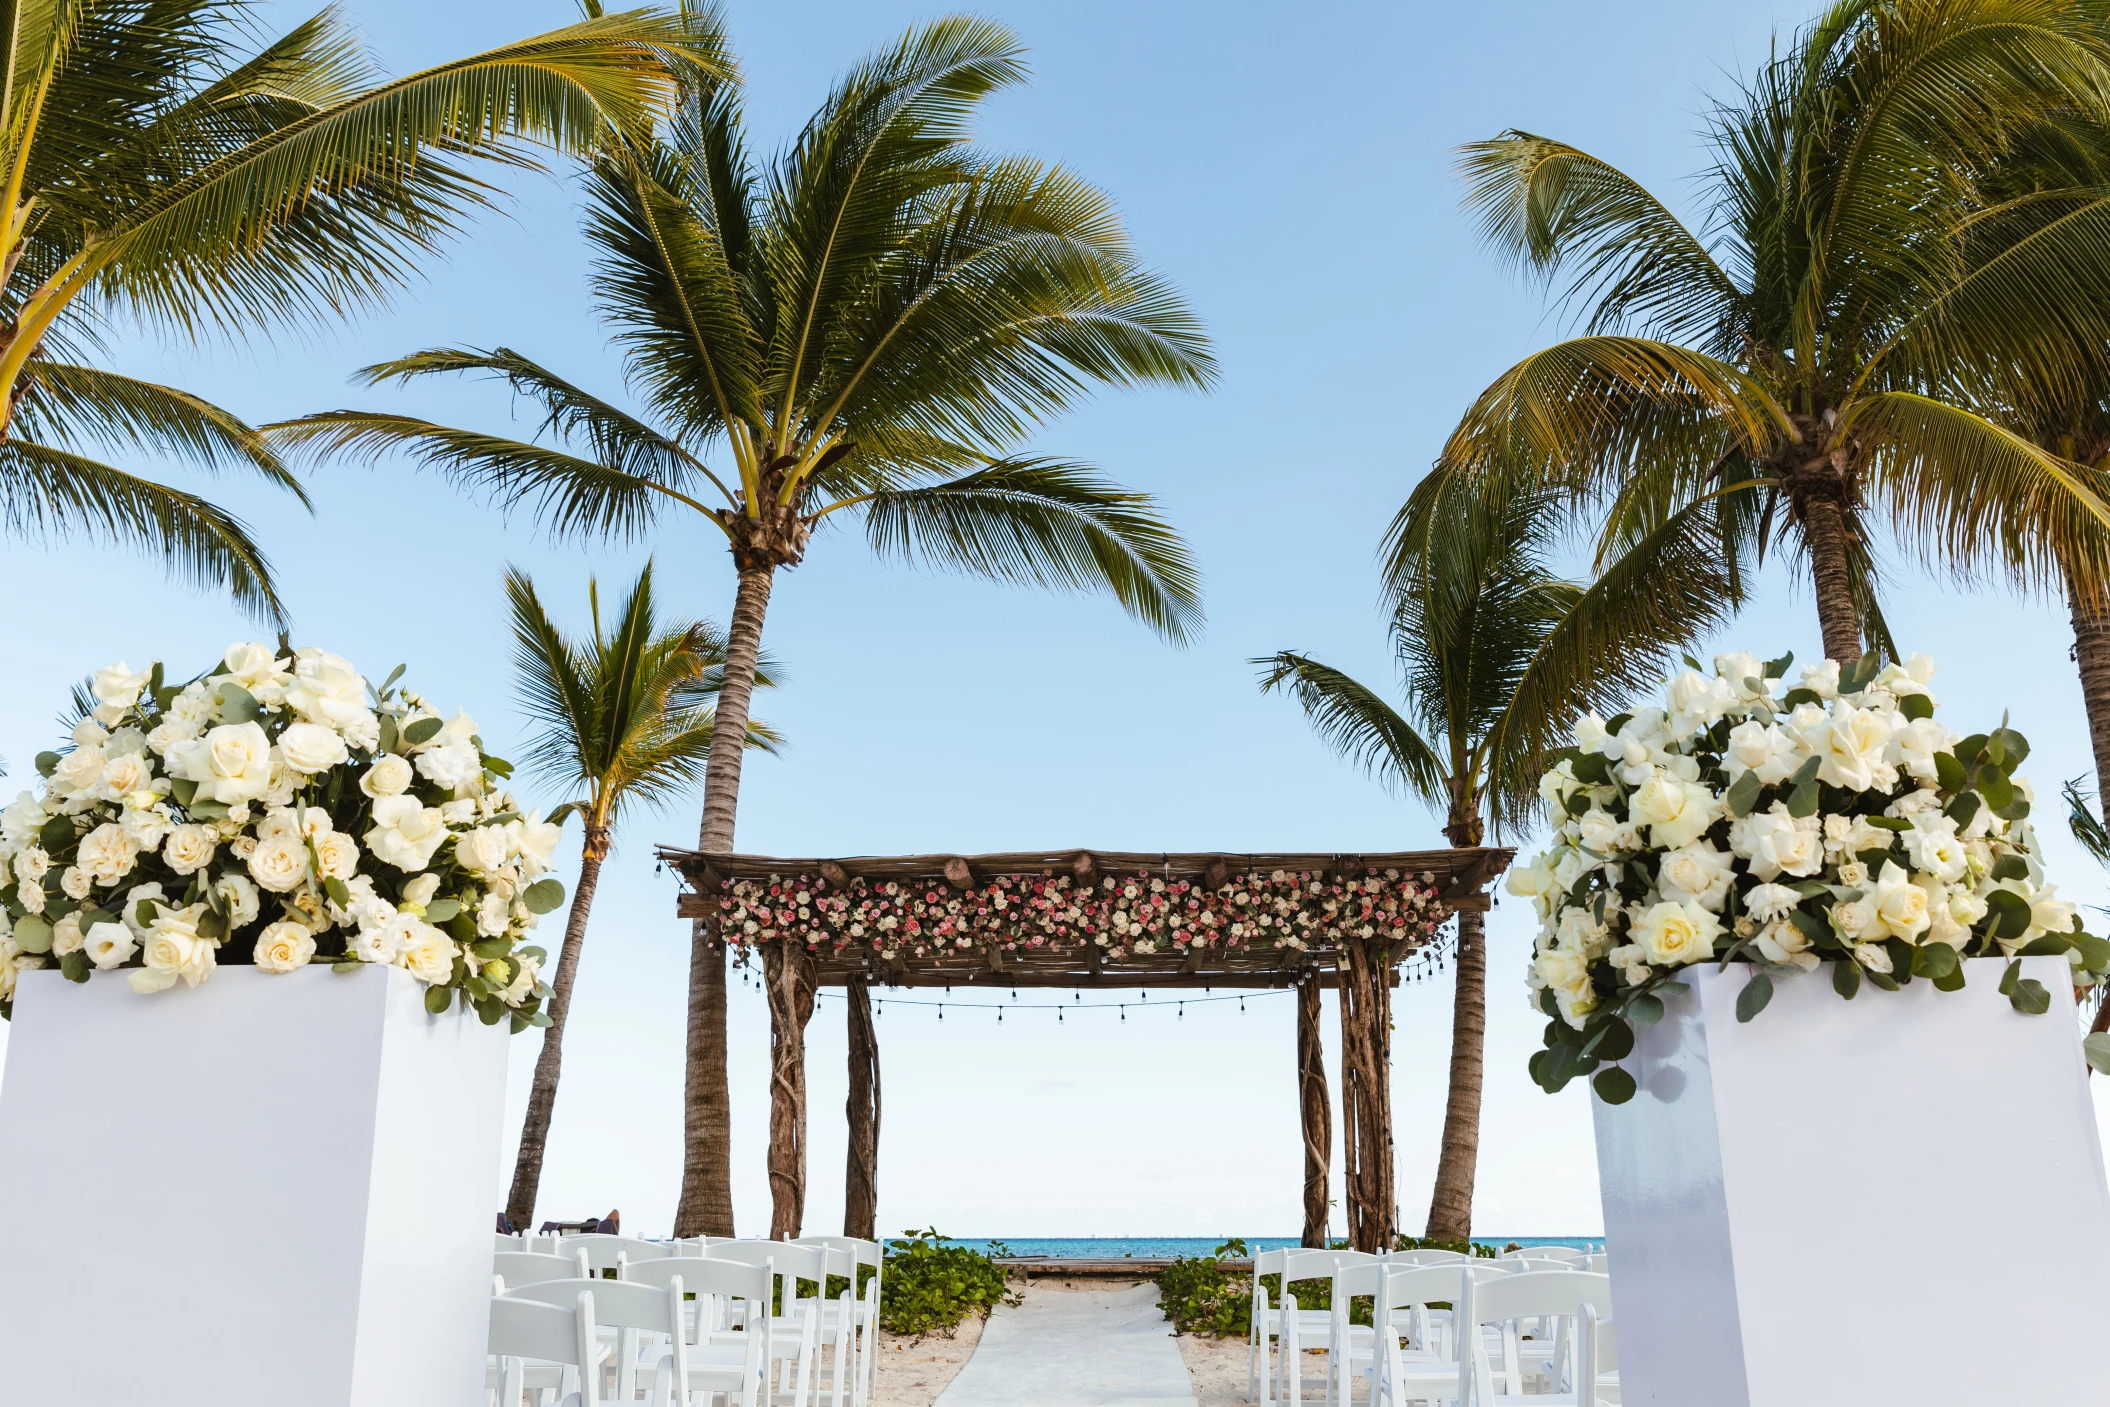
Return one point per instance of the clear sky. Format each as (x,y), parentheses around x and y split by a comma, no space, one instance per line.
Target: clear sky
(1287,166)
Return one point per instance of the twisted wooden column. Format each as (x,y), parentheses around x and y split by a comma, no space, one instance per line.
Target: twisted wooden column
(861,1175)
(1366,1103)
(1316,1110)
(788,982)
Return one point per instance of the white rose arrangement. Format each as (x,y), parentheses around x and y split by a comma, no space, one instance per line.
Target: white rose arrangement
(1835,822)
(277,811)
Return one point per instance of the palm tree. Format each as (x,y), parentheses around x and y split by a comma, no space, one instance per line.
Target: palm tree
(156,167)
(1499,657)
(867,327)
(625,720)
(1809,347)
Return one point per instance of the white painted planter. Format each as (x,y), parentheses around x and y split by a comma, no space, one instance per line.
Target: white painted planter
(1895,1199)
(266,1191)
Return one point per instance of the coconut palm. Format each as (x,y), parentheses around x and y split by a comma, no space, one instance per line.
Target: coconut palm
(1806,350)
(864,328)
(625,720)
(1499,657)
(159,167)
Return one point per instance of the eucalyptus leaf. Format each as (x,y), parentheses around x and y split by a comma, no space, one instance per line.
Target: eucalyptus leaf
(1753,998)
(340,893)
(1802,802)
(437,999)
(1614,1085)
(1846,978)
(1949,773)
(1742,794)
(1963,808)
(2010,867)
(1777,669)
(74,966)
(47,763)
(1644,1010)
(1916,706)
(2096,1047)
(2045,945)
(423,731)
(2006,914)
(2030,998)
(237,704)
(543,895)
(32,934)
(346,965)
(1994,786)
(1933,960)
(2009,976)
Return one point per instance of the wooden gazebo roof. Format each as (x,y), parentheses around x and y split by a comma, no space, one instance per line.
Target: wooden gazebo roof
(1457,877)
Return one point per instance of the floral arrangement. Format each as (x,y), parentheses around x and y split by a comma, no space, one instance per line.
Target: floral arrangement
(1124,915)
(276,811)
(1837,822)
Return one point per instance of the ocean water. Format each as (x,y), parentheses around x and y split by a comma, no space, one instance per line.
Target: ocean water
(1116,1247)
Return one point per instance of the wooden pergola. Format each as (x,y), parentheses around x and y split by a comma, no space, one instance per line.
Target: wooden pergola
(1083,918)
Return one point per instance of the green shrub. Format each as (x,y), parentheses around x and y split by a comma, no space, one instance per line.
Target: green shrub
(930,1286)
(1200,1296)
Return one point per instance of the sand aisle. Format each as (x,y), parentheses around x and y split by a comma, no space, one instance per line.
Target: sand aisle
(1075,1348)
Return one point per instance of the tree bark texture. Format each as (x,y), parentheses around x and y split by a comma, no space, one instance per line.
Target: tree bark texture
(1451,1206)
(706,1205)
(542,1095)
(861,1175)
(2091,652)
(1316,1111)
(1366,1104)
(1824,528)
(788,979)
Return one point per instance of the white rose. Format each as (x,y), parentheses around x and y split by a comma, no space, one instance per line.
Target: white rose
(123,776)
(459,812)
(1697,701)
(1675,934)
(1856,922)
(523,985)
(1873,956)
(406,832)
(1933,846)
(89,733)
(1676,812)
(1900,904)
(1742,670)
(312,748)
(1852,742)
(77,882)
(535,841)
(21,821)
(1821,679)
(148,826)
(1776,843)
(451,763)
(427,953)
(238,897)
(1914,745)
(493,915)
(190,848)
(1782,942)
(482,850)
(389,776)
(384,942)
(1762,748)
(326,689)
(1696,872)
(129,910)
(2048,914)
(109,945)
(116,689)
(258,669)
(173,945)
(80,770)
(33,863)
(338,855)
(107,853)
(1568,975)
(231,763)
(66,935)
(417,894)
(284,946)
(279,865)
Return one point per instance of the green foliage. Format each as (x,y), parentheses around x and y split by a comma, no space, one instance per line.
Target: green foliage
(930,1286)
(1200,1295)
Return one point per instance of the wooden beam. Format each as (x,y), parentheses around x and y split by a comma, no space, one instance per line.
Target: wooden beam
(835,874)
(1217,875)
(861,1175)
(1315,1112)
(959,874)
(788,981)
(1084,868)
(692,906)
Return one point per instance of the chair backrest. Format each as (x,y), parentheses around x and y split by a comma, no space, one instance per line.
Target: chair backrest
(510,1243)
(528,1268)
(793,1262)
(860,1251)
(548,1333)
(1537,1293)
(602,1252)
(1268,1262)
(1563,1253)
(1350,1281)
(1407,1286)
(1311,1263)
(1428,1257)
(702,1275)
(618,1304)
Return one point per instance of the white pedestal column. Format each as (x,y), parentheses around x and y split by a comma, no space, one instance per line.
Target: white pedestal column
(1895,1199)
(266,1191)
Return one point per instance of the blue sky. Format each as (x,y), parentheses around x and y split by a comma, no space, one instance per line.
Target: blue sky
(1287,167)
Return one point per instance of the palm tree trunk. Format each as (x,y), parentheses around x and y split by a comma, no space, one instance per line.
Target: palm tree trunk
(1824,528)
(1451,1206)
(706,1206)
(2091,651)
(542,1095)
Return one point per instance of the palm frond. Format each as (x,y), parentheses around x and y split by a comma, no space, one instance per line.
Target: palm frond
(1047,523)
(1357,724)
(2086,827)
(77,404)
(49,494)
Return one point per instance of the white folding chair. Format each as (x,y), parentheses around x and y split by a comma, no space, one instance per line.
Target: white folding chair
(1267,1322)
(525,1331)
(717,1359)
(1499,1302)
(640,1316)
(798,1334)
(528,1267)
(861,1254)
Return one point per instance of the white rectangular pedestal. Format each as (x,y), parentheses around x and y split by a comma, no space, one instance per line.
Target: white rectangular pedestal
(270,1190)
(1838,1204)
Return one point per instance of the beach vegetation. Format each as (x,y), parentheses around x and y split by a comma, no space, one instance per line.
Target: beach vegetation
(931,1284)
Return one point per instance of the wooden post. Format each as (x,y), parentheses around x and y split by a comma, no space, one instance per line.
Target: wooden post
(788,981)
(1366,1096)
(1315,1109)
(861,1175)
